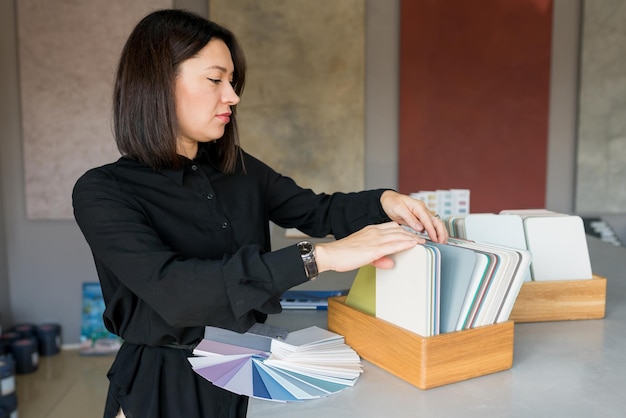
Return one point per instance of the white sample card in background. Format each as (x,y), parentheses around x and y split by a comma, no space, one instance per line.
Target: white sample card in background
(505,230)
(559,248)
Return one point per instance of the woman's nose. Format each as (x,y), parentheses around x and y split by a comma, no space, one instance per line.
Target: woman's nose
(230,96)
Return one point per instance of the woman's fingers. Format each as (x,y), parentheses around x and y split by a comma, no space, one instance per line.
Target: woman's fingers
(370,245)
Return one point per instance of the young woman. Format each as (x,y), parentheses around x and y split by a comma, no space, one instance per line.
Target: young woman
(179,225)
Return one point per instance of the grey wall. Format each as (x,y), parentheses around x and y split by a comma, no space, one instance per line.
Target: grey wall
(9,149)
(43,263)
(6,104)
(601,163)
(382,38)
(560,182)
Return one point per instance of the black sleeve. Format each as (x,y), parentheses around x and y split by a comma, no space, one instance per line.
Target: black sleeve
(318,215)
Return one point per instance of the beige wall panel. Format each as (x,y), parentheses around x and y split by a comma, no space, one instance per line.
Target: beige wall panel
(303,108)
(68,52)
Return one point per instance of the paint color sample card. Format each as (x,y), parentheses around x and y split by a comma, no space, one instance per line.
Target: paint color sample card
(307,364)
(557,242)
(455,225)
(457,268)
(504,230)
(478,292)
(362,295)
(559,248)
(530,212)
(510,266)
(404,292)
(437,288)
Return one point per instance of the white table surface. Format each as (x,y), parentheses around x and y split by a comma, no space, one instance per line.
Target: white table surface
(560,369)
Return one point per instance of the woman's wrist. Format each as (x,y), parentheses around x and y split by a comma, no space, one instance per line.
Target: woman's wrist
(322,256)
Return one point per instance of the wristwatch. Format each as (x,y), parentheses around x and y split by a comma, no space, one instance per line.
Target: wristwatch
(307,252)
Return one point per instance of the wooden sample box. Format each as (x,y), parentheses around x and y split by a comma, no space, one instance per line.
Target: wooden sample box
(425,362)
(560,300)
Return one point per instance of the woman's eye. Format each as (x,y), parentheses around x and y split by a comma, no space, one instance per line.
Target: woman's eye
(215,80)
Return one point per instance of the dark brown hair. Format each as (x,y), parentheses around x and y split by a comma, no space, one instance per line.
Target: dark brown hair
(144,112)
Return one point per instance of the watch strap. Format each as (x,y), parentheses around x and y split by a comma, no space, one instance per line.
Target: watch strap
(307,253)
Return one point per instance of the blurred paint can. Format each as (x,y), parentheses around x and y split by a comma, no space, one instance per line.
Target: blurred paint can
(49,339)
(24,330)
(8,396)
(26,355)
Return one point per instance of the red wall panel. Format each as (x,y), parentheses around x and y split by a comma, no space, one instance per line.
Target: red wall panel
(474,96)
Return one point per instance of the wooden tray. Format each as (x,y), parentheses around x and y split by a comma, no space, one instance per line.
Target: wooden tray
(425,362)
(560,300)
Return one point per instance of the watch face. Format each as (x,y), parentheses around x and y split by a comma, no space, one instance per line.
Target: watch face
(307,252)
(305,247)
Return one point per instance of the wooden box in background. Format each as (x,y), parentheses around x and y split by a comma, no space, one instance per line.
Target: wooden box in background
(560,300)
(425,362)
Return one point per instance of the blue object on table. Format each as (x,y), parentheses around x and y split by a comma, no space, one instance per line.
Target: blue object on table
(309,299)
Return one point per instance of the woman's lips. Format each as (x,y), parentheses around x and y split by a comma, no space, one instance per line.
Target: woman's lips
(224,117)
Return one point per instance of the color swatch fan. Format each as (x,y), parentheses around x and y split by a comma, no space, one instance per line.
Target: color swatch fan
(308,364)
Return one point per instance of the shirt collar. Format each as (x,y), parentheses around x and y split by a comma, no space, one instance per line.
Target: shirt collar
(177,174)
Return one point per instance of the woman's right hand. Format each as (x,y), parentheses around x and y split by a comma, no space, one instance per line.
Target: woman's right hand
(371,245)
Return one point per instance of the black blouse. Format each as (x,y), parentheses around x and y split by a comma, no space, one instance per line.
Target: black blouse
(176,250)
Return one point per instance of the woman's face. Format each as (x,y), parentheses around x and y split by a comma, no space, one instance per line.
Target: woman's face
(204,96)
